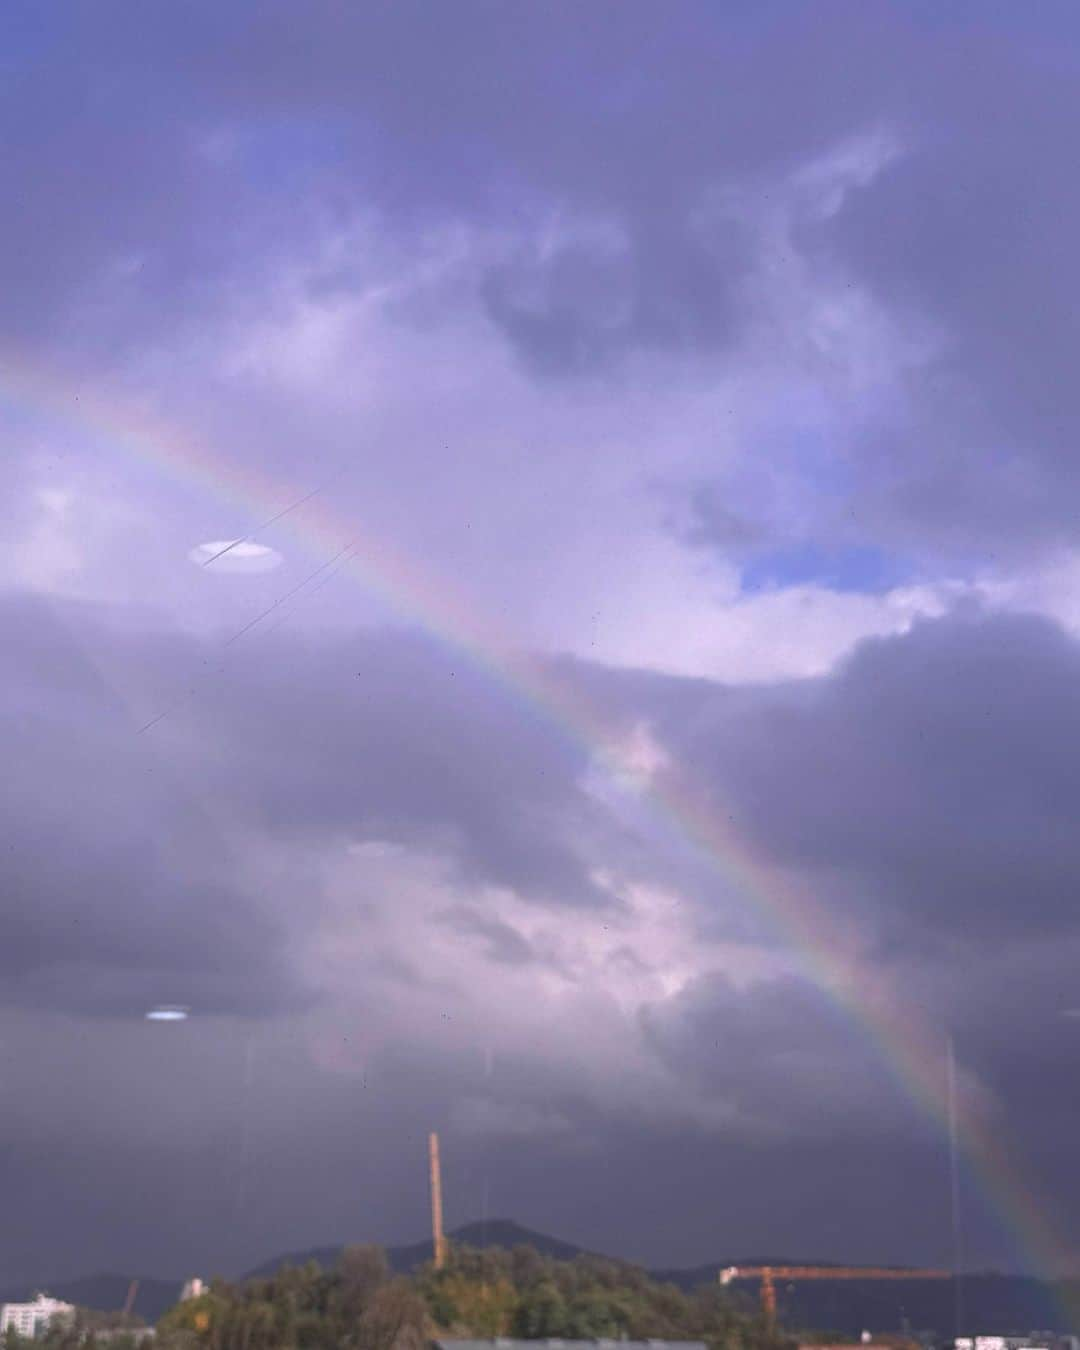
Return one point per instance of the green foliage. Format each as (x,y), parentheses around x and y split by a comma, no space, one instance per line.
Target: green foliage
(485,1294)
(86,1329)
(523,1294)
(356,1307)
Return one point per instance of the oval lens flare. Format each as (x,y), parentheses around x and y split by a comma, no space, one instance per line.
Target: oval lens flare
(235,555)
(168,1013)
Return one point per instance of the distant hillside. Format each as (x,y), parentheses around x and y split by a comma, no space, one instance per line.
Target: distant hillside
(103,1292)
(993,1304)
(402,1260)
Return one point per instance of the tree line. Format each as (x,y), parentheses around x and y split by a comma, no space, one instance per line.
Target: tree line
(361,1305)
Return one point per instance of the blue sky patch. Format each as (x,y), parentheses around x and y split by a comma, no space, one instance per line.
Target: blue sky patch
(866,570)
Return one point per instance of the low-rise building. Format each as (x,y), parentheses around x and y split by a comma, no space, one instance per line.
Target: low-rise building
(1036,1341)
(30,1319)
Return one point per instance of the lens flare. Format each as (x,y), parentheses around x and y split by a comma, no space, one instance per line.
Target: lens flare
(235,555)
(168,1012)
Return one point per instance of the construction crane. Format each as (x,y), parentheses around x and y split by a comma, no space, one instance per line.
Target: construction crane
(768,1275)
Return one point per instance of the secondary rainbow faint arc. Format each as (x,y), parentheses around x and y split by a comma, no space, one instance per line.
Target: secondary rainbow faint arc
(911,1048)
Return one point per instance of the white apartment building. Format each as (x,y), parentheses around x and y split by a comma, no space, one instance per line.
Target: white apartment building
(30,1318)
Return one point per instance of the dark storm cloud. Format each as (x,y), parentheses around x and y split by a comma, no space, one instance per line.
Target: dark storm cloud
(110,213)
(596,1178)
(248,1168)
(927,790)
(779,1053)
(390,735)
(932,779)
(453,108)
(119,891)
(490,115)
(972,229)
(245,142)
(122,873)
(575,310)
(1016,1013)
(498,116)
(316,740)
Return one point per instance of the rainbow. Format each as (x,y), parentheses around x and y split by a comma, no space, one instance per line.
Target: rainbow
(911,1048)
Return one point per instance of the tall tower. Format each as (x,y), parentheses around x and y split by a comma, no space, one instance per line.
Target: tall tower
(437,1239)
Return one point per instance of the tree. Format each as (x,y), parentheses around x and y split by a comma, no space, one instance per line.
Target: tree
(395,1319)
(489,1293)
(362,1272)
(541,1312)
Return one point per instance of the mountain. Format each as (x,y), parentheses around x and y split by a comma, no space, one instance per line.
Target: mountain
(402,1260)
(993,1304)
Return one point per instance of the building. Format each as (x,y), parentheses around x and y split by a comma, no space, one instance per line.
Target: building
(29,1319)
(504,1343)
(1036,1341)
(193,1289)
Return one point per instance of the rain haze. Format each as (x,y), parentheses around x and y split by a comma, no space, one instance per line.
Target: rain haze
(540,601)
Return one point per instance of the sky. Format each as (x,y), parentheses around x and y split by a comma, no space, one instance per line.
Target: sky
(639,725)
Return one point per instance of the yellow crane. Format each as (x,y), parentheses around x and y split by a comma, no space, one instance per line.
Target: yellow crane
(768,1275)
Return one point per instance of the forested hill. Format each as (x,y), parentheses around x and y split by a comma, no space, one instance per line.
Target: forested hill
(992,1303)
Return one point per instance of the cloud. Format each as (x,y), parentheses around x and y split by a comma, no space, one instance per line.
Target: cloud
(592,296)
(120,889)
(427,908)
(786,1061)
(725,355)
(504,943)
(969,232)
(477,1116)
(928,781)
